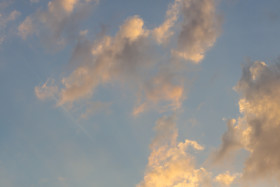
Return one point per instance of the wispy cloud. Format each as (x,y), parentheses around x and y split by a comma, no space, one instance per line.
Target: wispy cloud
(126,57)
(7,22)
(57,24)
(26,28)
(47,91)
(163,32)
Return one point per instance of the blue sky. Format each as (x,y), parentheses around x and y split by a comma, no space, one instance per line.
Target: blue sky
(139,93)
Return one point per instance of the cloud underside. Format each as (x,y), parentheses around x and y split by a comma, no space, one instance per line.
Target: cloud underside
(257,130)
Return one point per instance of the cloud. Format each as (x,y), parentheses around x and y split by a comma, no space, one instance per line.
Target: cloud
(257,130)
(59,23)
(226,179)
(7,22)
(165,86)
(106,60)
(83,32)
(126,57)
(130,56)
(230,142)
(169,162)
(26,28)
(93,108)
(164,32)
(199,29)
(13,15)
(47,91)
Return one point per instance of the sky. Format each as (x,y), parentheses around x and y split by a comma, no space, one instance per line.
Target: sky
(161,93)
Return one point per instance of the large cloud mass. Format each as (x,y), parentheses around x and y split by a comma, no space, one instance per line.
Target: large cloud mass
(258,129)
(126,57)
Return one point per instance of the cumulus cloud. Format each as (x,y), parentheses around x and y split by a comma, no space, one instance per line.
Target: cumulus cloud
(199,29)
(226,179)
(170,164)
(257,130)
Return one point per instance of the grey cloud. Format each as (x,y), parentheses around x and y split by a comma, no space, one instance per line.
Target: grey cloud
(109,59)
(59,23)
(259,126)
(230,143)
(199,30)
(130,56)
